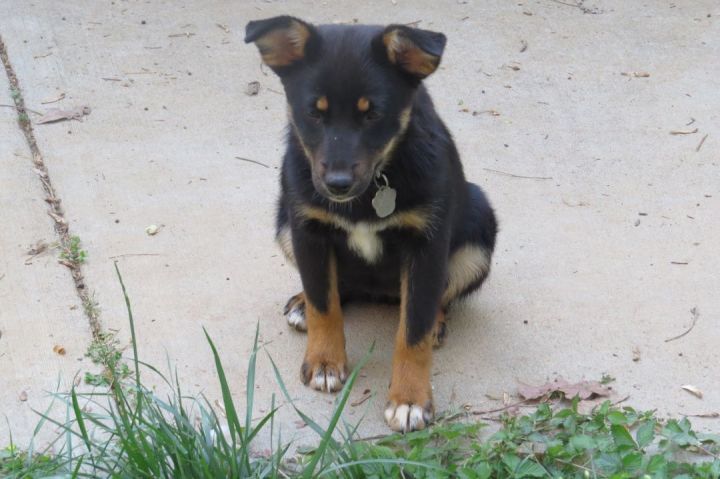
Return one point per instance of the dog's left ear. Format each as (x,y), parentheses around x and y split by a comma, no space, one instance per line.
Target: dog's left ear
(416,52)
(283,41)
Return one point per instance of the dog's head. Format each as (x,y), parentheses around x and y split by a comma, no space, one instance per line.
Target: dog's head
(349,91)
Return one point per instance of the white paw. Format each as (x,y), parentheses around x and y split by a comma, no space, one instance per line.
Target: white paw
(296,317)
(407,417)
(327,380)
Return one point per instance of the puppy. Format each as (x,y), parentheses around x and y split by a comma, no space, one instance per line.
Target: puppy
(374,204)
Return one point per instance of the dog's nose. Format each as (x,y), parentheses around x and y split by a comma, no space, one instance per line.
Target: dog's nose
(338,182)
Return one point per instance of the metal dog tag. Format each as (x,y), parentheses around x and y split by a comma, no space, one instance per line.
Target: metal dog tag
(384,200)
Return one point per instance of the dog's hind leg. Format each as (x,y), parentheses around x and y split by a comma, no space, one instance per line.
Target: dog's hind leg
(469,262)
(295,307)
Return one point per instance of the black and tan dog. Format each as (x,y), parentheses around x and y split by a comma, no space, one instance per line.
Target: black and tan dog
(374,203)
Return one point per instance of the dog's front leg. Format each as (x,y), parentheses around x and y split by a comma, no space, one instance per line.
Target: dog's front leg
(325,365)
(410,406)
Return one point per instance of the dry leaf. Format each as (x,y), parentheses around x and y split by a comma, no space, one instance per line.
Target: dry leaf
(252,88)
(23,396)
(58,219)
(40,247)
(56,114)
(66,263)
(582,389)
(299,424)
(636,354)
(693,390)
(59,350)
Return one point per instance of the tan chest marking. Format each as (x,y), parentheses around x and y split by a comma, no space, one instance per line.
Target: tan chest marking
(363,236)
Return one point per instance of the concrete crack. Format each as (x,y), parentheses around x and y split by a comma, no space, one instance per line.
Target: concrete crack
(55,210)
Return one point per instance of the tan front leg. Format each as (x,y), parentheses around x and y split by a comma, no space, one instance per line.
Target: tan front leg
(410,405)
(325,364)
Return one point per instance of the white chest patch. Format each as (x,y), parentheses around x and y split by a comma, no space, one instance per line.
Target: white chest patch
(363,239)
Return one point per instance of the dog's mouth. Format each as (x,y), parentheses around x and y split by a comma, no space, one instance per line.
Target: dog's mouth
(341,199)
(356,190)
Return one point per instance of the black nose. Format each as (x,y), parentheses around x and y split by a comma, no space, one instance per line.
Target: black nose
(338,182)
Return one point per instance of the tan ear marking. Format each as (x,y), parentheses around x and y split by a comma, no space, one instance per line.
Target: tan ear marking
(404,53)
(284,46)
(322,103)
(363,104)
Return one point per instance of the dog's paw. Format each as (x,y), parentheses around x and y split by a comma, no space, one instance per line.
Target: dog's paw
(324,376)
(295,312)
(407,417)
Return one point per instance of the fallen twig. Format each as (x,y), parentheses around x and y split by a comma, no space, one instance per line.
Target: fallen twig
(701,142)
(636,74)
(695,315)
(679,262)
(519,176)
(684,132)
(364,398)
(591,11)
(621,401)
(26,109)
(504,408)
(47,102)
(252,161)
(708,415)
(133,254)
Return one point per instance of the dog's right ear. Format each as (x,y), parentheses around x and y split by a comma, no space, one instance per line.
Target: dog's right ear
(283,41)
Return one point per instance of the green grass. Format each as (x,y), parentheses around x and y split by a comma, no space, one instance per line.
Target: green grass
(73,252)
(129,431)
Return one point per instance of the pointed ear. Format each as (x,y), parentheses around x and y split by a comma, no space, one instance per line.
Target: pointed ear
(282,41)
(415,51)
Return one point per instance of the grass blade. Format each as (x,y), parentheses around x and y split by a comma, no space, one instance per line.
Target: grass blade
(230,411)
(132,329)
(80,420)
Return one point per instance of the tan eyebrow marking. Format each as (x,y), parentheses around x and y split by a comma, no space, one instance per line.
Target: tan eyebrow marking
(322,103)
(363,104)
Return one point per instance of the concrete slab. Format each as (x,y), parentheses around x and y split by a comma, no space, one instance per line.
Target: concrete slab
(38,305)
(577,282)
